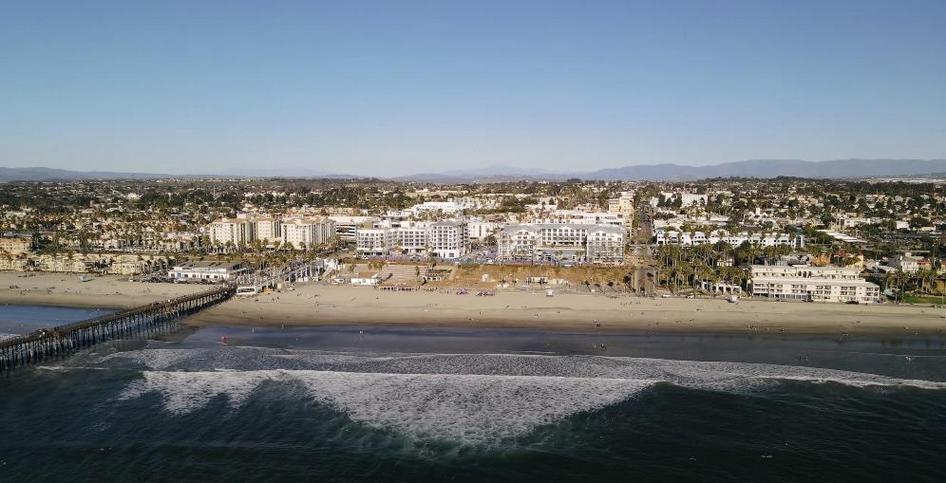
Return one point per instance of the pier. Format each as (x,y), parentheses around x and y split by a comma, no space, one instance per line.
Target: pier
(295,271)
(67,339)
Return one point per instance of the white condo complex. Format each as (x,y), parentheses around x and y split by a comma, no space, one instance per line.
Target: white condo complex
(812,284)
(302,232)
(562,243)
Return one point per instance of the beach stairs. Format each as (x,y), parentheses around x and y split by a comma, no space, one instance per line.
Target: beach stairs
(399,275)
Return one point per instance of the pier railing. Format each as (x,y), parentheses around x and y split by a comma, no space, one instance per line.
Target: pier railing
(66,339)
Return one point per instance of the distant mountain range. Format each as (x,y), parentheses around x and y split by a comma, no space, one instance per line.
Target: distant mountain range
(759,168)
(52,174)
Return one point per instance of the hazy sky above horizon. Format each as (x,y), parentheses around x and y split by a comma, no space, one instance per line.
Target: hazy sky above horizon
(387,88)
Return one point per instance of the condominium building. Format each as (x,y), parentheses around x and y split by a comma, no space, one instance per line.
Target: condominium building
(673,237)
(307,232)
(300,232)
(812,284)
(268,229)
(562,243)
(235,231)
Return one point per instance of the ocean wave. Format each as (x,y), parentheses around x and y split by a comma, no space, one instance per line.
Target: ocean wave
(471,398)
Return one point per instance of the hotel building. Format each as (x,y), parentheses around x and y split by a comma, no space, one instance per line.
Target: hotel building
(562,243)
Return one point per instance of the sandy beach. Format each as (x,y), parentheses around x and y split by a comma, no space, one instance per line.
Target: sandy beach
(345,305)
(65,290)
(311,304)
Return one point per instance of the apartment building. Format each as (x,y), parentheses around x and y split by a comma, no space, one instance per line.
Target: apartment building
(236,231)
(300,232)
(268,229)
(307,232)
(812,284)
(562,243)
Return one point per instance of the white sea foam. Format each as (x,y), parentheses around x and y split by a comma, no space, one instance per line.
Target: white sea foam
(471,408)
(462,397)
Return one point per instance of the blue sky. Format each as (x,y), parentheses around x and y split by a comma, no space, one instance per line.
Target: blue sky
(390,88)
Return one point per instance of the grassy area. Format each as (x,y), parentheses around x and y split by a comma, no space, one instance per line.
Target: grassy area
(922,299)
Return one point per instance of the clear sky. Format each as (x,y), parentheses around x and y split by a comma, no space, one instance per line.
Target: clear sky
(397,87)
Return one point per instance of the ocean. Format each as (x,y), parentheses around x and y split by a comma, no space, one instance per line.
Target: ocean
(431,404)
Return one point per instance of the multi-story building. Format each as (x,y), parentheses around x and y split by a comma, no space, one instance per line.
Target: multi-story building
(346,226)
(307,232)
(481,230)
(16,245)
(562,243)
(812,284)
(444,239)
(236,231)
(268,229)
(673,237)
(448,239)
(373,241)
(623,205)
(410,239)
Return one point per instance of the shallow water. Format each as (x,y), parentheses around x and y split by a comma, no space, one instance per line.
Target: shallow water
(382,404)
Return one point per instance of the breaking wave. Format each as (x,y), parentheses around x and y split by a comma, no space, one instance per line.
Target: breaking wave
(470,398)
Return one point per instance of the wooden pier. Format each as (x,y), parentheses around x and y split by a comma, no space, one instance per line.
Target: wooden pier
(66,339)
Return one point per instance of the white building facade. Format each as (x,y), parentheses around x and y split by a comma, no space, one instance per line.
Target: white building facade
(306,233)
(236,231)
(674,237)
(561,243)
(812,284)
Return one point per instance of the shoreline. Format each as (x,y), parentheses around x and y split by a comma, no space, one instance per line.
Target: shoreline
(320,305)
(313,305)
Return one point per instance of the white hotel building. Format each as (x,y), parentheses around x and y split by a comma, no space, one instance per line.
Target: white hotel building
(444,239)
(812,284)
(561,243)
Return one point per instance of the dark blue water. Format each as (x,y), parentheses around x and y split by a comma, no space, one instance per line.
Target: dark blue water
(374,404)
(23,319)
